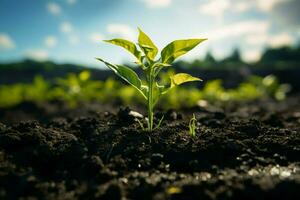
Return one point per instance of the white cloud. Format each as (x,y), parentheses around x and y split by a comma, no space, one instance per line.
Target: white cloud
(66,27)
(71,2)
(242,6)
(74,40)
(274,41)
(50,41)
(267,5)
(37,54)
(239,29)
(281,40)
(96,37)
(121,30)
(54,8)
(157,3)
(215,8)
(257,39)
(6,42)
(251,56)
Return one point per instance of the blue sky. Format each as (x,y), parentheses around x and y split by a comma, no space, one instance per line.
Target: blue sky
(71,30)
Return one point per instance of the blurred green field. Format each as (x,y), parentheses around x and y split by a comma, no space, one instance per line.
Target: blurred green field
(75,88)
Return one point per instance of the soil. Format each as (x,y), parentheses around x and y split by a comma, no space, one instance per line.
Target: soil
(240,151)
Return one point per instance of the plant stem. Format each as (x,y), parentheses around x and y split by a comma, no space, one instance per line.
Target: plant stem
(150,102)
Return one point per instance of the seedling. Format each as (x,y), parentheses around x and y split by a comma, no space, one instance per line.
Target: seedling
(192,126)
(145,53)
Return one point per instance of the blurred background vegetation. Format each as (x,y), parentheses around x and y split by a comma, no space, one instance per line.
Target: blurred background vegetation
(253,51)
(226,80)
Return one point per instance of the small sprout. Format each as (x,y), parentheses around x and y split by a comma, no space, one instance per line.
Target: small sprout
(145,53)
(160,121)
(192,126)
(141,124)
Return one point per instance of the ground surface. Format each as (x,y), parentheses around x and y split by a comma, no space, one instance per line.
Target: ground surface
(241,151)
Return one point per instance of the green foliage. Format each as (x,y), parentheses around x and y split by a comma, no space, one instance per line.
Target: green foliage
(38,90)
(281,54)
(147,46)
(129,46)
(192,126)
(235,58)
(17,93)
(178,48)
(214,92)
(128,75)
(11,94)
(152,90)
(75,88)
(270,86)
(180,78)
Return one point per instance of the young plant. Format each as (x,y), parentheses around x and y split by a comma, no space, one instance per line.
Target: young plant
(145,56)
(192,126)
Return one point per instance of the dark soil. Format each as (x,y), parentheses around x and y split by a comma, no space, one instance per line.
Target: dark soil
(241,151)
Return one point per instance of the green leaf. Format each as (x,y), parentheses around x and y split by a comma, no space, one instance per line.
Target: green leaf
(181,78)
(178,79)
(147,45)
(128,75)
(129,46)
(178,48)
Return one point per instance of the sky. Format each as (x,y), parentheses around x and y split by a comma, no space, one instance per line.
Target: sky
(71,31)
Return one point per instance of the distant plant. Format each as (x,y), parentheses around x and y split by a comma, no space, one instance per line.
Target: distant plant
(270,86)
(151,90)
(76,87)
(179,97)
(192,126)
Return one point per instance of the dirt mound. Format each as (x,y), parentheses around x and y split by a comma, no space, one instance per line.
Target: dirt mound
(249,151)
